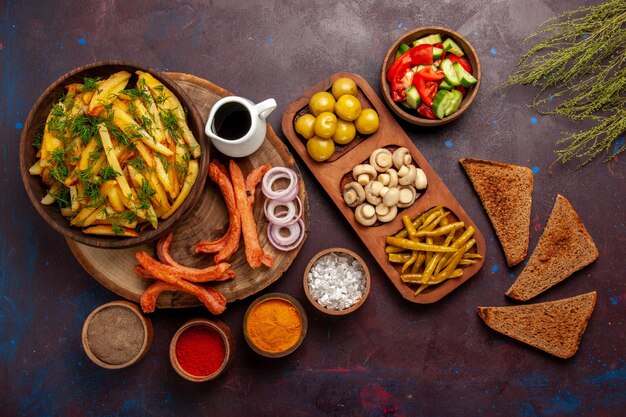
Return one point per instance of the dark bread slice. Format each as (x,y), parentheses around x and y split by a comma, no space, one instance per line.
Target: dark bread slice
(506,194)
(563,248)
(556,327)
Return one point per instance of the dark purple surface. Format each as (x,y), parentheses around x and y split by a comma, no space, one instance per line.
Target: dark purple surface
(391,357)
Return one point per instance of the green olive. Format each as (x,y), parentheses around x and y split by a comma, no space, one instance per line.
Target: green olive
(343,86)
(345,132)
(320,149)
(321,102)
(368,122)
(326,125)
(348,107)
(305,126)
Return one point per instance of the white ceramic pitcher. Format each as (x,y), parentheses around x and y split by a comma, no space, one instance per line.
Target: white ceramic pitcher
(236,126)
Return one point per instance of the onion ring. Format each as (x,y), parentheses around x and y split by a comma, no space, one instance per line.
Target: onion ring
(286,243)
(284,218)
(286,194)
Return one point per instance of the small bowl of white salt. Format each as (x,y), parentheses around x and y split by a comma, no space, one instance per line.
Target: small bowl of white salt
(336,281)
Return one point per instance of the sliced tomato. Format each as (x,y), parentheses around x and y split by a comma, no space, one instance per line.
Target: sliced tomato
(431,75)
(426,111)
(464,63)
(426,89)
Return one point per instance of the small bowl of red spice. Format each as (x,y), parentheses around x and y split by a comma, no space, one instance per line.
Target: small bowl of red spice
(201,350)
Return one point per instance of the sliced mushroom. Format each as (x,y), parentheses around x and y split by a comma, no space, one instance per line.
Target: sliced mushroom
(409,177)
(365,214)
(420,179)
(393,212)
(401,156)
(364,173)
(393,177)
(382,210)
(383,191)
(353,194)
(391,197)
(381,159)
(407,196)
(384,178)
(372,193)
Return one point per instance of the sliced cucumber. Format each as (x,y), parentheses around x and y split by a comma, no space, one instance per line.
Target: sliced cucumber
(441,103)
(437,53)
(406,106)
(465,78)
(445,86)
(430,39)
(450,73)
(452,47)
(419,68)
(455,102)
(402,49)
(413,98)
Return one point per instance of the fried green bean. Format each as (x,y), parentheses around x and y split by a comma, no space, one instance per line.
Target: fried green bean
(410,262)
(421,257)
(408,225)
(413,245)
(393,249)
(456,259)
(417,278)
(398,258)
(418,222)
(440,231)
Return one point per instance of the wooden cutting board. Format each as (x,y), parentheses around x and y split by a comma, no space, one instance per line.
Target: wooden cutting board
(335,172)
(208,220)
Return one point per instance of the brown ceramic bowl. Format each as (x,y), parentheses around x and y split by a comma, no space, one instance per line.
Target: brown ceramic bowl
(412,116)
(37,190)
(340,252)
(229,347)
(290,300)
(91,349)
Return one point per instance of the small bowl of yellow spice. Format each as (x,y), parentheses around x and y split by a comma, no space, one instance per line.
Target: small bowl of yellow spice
(275,325)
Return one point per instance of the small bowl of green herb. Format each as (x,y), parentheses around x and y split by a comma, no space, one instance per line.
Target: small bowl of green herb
(112,154)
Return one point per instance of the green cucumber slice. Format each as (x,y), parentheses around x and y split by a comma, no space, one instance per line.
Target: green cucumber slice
(437,53)
(455,102)
(413,98)
(430,39)
(450,73)
(452,47)
(445,86)
(441,103)
(402,49)
(465,78)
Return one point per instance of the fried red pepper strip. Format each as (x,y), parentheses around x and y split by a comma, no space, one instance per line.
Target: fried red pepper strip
(158,270)
(212,299)
(230,244)
(255,255)
(163,252)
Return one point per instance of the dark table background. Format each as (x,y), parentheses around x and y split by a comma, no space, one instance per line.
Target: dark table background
(391,357)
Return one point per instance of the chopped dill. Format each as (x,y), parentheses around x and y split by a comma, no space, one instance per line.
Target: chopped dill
(37,138)
(108,173)
(90,84)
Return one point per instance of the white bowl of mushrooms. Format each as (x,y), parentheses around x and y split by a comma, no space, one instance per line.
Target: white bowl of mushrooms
(388,182)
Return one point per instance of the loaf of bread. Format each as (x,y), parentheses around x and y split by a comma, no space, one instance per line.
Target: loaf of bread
(563,248)
(555,326)
(506,194)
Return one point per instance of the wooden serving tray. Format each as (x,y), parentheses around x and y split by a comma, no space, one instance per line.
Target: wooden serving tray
(330,174)
(208,220)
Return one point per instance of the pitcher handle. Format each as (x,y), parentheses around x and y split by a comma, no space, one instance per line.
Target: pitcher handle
(265,107)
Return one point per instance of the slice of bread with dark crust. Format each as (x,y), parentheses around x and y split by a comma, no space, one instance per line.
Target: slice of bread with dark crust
(556,327)
(563,248)
(506,194)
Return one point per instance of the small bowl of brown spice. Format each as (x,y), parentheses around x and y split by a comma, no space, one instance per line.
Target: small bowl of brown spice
(116,335)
